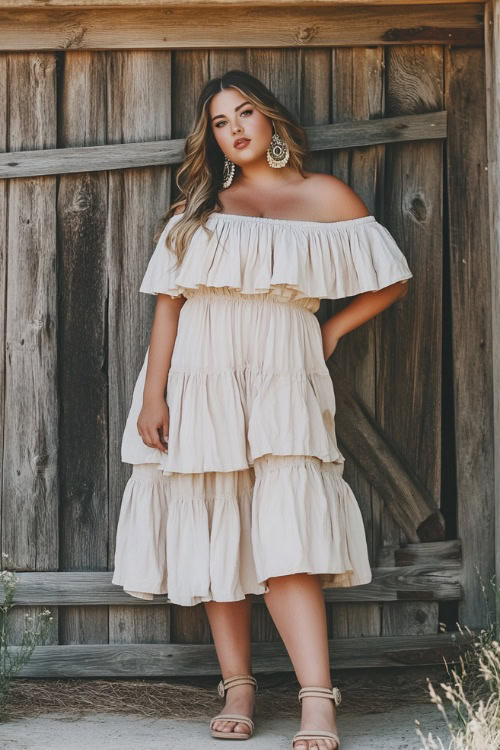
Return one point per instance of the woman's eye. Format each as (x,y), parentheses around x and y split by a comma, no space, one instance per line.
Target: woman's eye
(221,122)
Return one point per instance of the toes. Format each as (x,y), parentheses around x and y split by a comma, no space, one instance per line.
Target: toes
(241,728)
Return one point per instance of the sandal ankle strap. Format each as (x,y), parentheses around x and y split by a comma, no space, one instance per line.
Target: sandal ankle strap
(238,679)
(321,692)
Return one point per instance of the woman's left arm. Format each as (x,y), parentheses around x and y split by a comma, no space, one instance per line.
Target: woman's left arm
(361,309)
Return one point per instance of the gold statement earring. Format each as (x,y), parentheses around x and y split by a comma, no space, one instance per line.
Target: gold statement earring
(277,153)
(227,173)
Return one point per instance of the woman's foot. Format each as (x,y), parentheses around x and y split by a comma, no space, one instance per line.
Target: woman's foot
(240,699)
(318,713)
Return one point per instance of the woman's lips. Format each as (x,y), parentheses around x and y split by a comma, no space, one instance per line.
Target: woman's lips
(242,144)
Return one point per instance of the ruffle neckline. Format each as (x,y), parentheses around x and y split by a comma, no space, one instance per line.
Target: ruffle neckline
(289,258)
(268,219)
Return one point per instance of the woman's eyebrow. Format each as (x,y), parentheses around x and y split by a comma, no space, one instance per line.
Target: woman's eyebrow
(235,109)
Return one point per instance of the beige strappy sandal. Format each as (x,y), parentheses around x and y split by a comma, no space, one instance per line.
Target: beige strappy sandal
(239,679)
(318,734)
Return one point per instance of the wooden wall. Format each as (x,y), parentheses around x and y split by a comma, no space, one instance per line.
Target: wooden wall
(76,234)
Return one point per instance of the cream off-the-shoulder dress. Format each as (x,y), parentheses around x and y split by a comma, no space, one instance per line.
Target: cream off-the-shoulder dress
(251,486)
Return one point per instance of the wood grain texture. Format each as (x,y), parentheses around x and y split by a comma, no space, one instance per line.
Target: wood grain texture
(470,281)
(158,153)
(207,5)
(433,574)
(357,97)
(82,211)
(30,486)
(145,660)
(409,351)
(138,108)
(492,84)
(172,28)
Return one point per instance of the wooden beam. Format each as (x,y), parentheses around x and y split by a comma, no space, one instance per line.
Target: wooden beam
(423,581)
(197,5)
(171,659)
(492,65)
(404,495)
(158,153)
(181,27)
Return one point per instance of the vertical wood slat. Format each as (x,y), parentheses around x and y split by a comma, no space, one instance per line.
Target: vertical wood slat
(358,80)
(138,109)
(409,352)
(4,238)
(492,81)
(190,70)
(471,325)
(82,208)
(30,487)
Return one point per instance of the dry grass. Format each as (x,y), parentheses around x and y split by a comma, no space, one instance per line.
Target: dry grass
(363,691)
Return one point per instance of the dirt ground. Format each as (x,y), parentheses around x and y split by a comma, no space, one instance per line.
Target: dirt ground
(378,710)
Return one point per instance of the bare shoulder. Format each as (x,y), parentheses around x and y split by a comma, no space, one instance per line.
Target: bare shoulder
(333,198)
(180,208)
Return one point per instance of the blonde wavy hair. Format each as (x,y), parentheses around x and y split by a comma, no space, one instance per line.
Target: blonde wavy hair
(200,176)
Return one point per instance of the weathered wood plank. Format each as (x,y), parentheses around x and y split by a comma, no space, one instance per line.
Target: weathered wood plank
(492,81)
(147,660)
(429,553)
(139,108)
(424,580)
(30,486)
(263,27)
(203,5)
(404,494)
(82,209)
(471,316)
(409,333)
(358,97)
(158,153)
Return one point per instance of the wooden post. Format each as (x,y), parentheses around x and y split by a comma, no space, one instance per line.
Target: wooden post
(492,60)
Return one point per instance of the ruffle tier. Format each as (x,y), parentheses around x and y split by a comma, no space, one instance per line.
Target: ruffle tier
(247,378)
(284,515)
(291,259)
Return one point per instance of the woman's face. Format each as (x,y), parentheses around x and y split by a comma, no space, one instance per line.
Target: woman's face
(231,117)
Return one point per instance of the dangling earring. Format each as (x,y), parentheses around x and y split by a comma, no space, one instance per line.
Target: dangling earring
(227,172)
(277,153)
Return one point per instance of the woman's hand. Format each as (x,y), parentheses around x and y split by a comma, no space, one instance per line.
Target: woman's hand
(153,423)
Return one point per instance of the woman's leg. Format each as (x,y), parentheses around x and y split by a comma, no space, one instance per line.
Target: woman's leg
(297,607)
(230,626)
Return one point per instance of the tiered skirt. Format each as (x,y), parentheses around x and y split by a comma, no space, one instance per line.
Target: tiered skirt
(251,486)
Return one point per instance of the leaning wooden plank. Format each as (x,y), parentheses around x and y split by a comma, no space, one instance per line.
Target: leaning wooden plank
(405,496)
(424,581)
(159,660)
(181,27)
(158,153)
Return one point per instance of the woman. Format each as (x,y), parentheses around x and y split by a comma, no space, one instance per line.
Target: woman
(237,484)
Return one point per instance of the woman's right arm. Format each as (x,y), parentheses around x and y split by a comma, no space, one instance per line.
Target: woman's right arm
(153,420)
